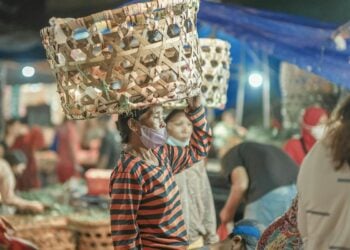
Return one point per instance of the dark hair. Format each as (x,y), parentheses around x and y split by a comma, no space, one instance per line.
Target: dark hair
(250,242)
(122,123)
(15,157)
(4,145)
(339,134)
(104,118)
(173,113)
(11,121)
(227,111)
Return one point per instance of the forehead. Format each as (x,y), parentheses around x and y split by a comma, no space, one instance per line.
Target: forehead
(179,116)
(154,110)
(323,119)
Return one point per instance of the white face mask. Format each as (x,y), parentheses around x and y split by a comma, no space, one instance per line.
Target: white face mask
(318,131)
(175,142)
(152,138)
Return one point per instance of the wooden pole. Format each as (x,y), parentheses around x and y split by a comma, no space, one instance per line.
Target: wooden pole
(3,79)
(241,86)
(266,92)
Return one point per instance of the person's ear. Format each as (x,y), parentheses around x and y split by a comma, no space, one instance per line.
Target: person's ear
(133,125)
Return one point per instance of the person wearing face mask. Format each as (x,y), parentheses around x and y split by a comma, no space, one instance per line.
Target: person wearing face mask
(312,129)
(195,191)
(145,206)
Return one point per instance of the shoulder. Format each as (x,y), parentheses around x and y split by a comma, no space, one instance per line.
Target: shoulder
(127,164)
(232,155)
(320,149)
(129,173)
(4,164)
(4,168)
(316,163)
(291,143)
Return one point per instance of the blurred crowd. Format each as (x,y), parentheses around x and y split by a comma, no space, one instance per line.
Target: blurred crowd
(282,206)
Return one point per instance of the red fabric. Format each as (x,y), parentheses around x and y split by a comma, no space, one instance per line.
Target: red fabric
(312,115)
(12,243)
(29,143)
(222,232)
(294,147)
(295,150)
(67,148)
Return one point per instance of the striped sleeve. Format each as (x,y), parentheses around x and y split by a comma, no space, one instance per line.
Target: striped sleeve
(184,157)
(126,194)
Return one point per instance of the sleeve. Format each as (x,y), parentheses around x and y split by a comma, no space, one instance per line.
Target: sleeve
(7,189)
(7,185)
(126,194)
(37,138)
(290,148)
(184,157)
(230,161)
(302,220)
(302,184)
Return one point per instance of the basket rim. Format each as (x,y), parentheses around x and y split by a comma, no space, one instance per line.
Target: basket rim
(210,41)
(135,9)
(80,223)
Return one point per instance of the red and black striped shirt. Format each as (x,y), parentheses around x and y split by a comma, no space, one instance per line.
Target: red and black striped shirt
(145,207)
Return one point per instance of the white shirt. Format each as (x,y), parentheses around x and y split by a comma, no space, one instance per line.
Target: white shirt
(324,201)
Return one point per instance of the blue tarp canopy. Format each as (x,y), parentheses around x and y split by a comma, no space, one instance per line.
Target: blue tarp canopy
(300,41)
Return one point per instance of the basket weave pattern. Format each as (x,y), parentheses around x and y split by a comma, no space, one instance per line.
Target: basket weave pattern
(92,235)
(215,63)
(46,233)
(127,58)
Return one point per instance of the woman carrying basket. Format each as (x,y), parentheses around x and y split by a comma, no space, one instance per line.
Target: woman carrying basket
(145,208)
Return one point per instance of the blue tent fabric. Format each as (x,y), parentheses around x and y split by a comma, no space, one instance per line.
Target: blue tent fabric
(300,41)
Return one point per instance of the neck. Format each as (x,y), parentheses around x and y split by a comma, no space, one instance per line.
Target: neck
(136,148)
(177,142)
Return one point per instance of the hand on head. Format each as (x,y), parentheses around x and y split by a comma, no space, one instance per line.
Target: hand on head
(194,102)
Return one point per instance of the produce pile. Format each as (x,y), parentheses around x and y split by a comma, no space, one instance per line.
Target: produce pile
(63,201)
(55,198)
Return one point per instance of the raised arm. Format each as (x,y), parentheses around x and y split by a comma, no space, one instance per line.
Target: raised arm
(184,157)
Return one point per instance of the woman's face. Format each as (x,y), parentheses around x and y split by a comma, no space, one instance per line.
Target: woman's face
(153,118)
(180,127)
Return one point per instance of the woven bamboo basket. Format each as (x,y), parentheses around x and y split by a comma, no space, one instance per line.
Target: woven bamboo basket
(46,233)
(126,58)
(301,89)
(92,235)
(215,62)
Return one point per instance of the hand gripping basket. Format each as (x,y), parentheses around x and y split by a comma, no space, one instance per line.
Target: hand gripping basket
(215,62)
(126,58)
